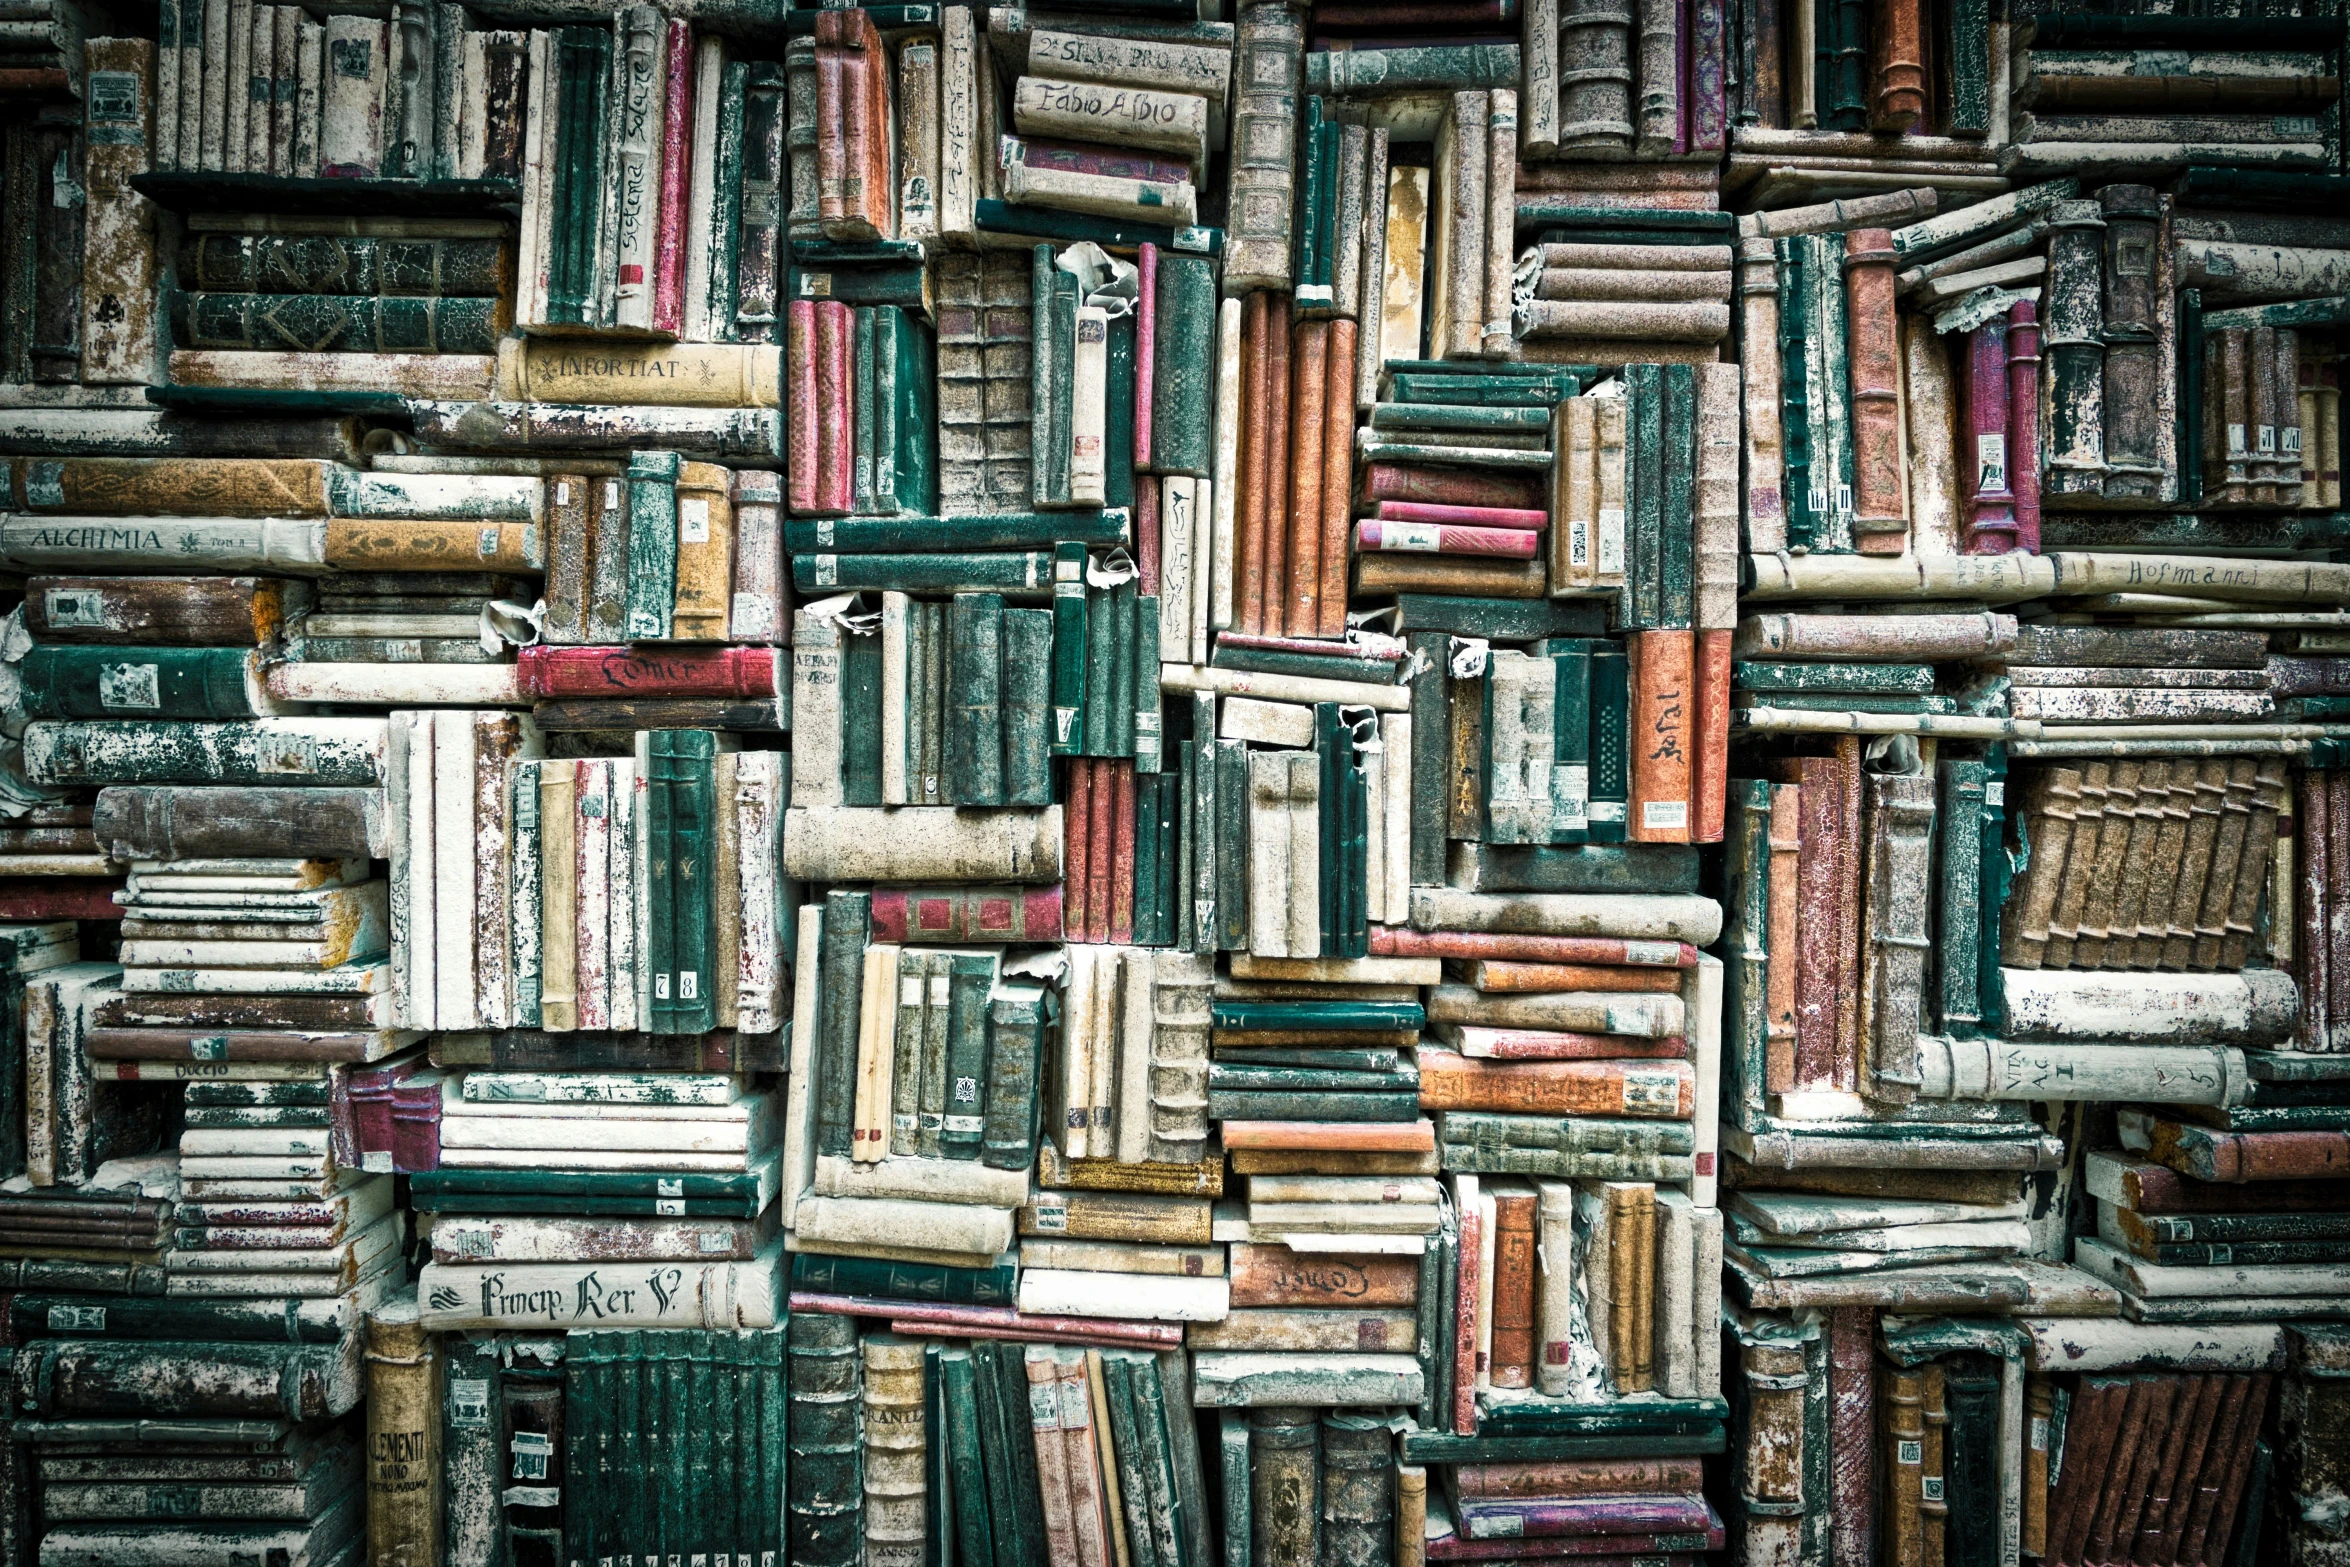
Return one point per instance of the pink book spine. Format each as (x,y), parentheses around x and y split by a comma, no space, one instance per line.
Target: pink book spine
(799,368)
(416,1125)
(1146,358)
(1077,850)
(1461,516)
(1146,521)
(2023,421)
(1983,470)
(834,446)
(1464,1316)
(947,914)
(982,1321)
(676,163)
(1391,941)
(1534,1044)
(1429,538)
(1708,112)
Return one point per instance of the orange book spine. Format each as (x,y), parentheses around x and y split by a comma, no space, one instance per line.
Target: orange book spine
(1309,367)
(1513,1289)
(1710,794)
(1275,492)
(1523,978)
(1639,1088)
(1338,414)
(1663,683)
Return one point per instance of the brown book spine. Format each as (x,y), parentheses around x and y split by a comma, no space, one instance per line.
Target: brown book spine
(1077,850)
(1852,1431)
(832,151)
(2314,872)
(1513,1289)
(2161,1400)
(2129,1430)
(1275,416)
(354,544)
(1465,810)
(2212,1549)
(2088,1439)
(2167,867)
(1934,1447)
(2268,805)
(1338,406)
(1897,74)
(2039,1414)
(1783,960)
(2291,438)
(2237,1424)
(2189,1430)
(171,611)
(1308,421)
(1710,786)
(2236,412)
(1623,1238)
(1903,1457)
(1616,1088)
(1255,464)
(2203,824)
(1502,975)
(1644,1289)
(2227,852)
(2260,386)
(2050,818)
(171,486)
(2138,864)
(1769,1468)
(1817,971)
(1663,671)
(1122,852)
(2113,841)
(570,568)
(1880,519)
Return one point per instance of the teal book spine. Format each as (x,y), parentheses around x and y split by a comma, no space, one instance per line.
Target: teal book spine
(975,712)
(1644,474)
(1019,530)
(890,329)
(1795,396)
(1353,1108)
(1070,645)
(1487,391)
(1834,333)
(1183,368)
(826,1468)
(1152,1425)
(1354,926)
(1171,793)
(938,1472)
(1964,37)
(1232,1468)
(1611,757)
(1998,875)
(1847,99)
(132,682)
(862,389)
(1431,758)
(923,663)
(839,999)
(1042,437)
(899,284)
(1147,887)
(1118,1373)
(1123,599)
(584,94)
(1146,721)
(1570,766)
(1330,739)
(1427,1299)
(774,1442)
(1448,1247)
(1027,706)
(1677,557)
(693,1004)
(473,1447)
(1015,1045)
(1101,662)
(970,976)
(585,1402)
(652,544)
(1025,573)
(1745,1000)
(974,1534)
(1326,218)
(1332,1015)
(525,950)
(336,323)
(1231,830)
(860,715)
(1005,1432)
(997,217)
(657,821)
(915,451)
(929,1282)
(1118,454)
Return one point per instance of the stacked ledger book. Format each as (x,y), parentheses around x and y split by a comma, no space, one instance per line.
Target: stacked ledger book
(1193,783)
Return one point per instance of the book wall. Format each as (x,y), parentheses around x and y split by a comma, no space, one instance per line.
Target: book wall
(1359,782)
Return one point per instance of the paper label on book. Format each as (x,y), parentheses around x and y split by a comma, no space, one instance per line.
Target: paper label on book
(44,484)
(469,1401)
(2264,439)
(1652,1091)
(1578,543)
(1664,815)
(1844,501)
(1909,1452)
(1659,954)
(72,607)
(669,1186)
(131,686)
(2039,1437)
(1930,1486)
(1611,540)
(669,1207)
(1052,1217)
(2290,125)
(1420,537)
(378,1161)
(1076,1410)
(1043,1406)
(1990,461)
(211,1047)
(2221,1256)
(827,570)
(531,1450)
(693,521)
(77,1319)
(1995,792)
(2236,442)
(2289,440)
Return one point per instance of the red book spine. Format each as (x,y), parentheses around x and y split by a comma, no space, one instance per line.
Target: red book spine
(1146,531)
(1101,828)
(2023,421)
(1663,735)
(1255,457)
(1394,941)
(876,200)
(1430,538)
(1302,586)
(2212,1548)
(1513,1289)
(1463,516)
(647,671)
(943,914)
(1122,852)
(1077,850)
(1710,788)
(1464,1317)
(801,459)
(1388,481)
(1146,359)
(1274,563)
(1817,972)
(835,332)
(43,899)
(1983,465)
(416,1127)
(676,164)
(1338,429)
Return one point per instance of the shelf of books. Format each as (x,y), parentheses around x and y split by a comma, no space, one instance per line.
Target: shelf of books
(1181,783)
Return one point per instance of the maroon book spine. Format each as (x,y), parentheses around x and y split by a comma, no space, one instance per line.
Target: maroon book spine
(42,899)
(832,151)
(2090,1436)
(1983,467)
(2133,1472)
(835,331)
(2213,1548)
(647,671)
(1852,1435)
(2023,421)
(1077,850)
(1122,852)
(676,163)
(1146,531)
(1146,358)
(987,914)
(1387,481)
(1101,829)
(416,1125)
(1817,973)
(801,458)
(1301,594)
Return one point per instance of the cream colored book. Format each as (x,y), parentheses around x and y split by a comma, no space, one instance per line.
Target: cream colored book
(882,1221)
(799,1110)
(921,1180)
(876,1053)
(1038,1251)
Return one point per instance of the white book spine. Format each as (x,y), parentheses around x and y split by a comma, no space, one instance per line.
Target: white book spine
(592,841)
(631,911)
(556,1296)
(1554,1286)
(1144,1296)
(351,106)
(1203,565)
(1076,1075)
(236,73)
(1269,856)
(759,977)
(612,1132)
(1375,830)
(1488,1246)
(958,120)
(1222,530)
(1089,405)
(816,713)
(309,95)
(922,1180)
(1676,1256)
(918,139)
(1175,568)
(473,106)
(894,611)
(1136,1023)
(1395,737)
(1171,202)
(878,1221)
(876,1054)
(1109,1012)
(415,928)
(538,129)
(1702,1018)
(454,882)
(1305,854)
(702,241)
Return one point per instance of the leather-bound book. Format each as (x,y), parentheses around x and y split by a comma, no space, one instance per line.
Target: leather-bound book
(2229,1498)
(1595,76)
(1933,1468)
(2252,872)
(1302,584)
(1880,517)
(1284,1461)
(2113,1470)
(1852,1433)
(1893,964)
(2088,1440)
(2140,868)
(1769,1467)
(2233,1432)
(2039,1416)
(1785,925)
(2118,1528)
(1983,458)
(1266,68)
(2166,868)
(2205,810)
(2072,893)
(1897,73)
(2133,349)
(1818,970)
(1337,486)
(2180,1460)
(1275,415)
(1514,1271)
(2023,421)
(1971,1458)
(2076,349)
(2104,877)
(1902,1459)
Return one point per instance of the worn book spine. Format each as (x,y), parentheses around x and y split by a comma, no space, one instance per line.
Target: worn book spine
(404,1464)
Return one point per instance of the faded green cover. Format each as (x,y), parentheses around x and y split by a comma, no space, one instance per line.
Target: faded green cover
(1970,1463)
(893,365)
(693,1005)
(1232,1466)
(975,714)
(336,323)
(1152,1424)
(1570,769)
(913,455)
(1101,664)
(1532,418)
(1429,67)
(1148,888)
(1240,1070)
(656,820)
(1431,759)
(1677,556)
(1015,1024)
(37,1316)
(1060,393)
(1123,617)
(1044,440)
(938,1473)
(1231,846)
(584,93)
(1118,454)
(1332,1015)
(1858,679)
(864,396)
(1196,908)
(975,1491)
(1311,666)
(1251,1104)
(1026,573)
(454,1189)
(1500,620)
(1623,226)
(1965,42)
(1644,496)
(1184,368)
(473,1442)
(1172,791)
(1611,757)
(1025,530)
(1126,1443)
(856,285)
(839,999)
(1586,867)
(971,975)
(1069,648)
(827,1448)
(1330,810)
(1599,1147)
(1027,706)
(930,1282)
(860,714)
(1448,1244)
(1145,721)
(1746,878)
(140,682)
(1480,391)
(652,544)
(1427,1299)
(587,1399)
(1998,873)
(1795,393)
(1848,702)
(1022,1519)
(1831,408)
(997,217)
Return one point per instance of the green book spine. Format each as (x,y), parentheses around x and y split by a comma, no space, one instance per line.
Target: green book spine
(1027,706)
(1242,1070)
(1333,1015)
(1426,1298)
(929,1282)
(1965,39)
(1183,368)
(878,405)
(694,814)
(1645,478)
(1147,890)
(1326,219)
(1023,572)
(133,682)
(1123,599)
(1152,1425)
(1848,83)
(1448,1246)
(1611,758)
(1025,1513)
(1970,1465)
(1570,768)
(1816,1496)
(1832,396)
(1118,1374)
(1145,722)
(1881,679)
(1071,646)
(1231,822)
(621,1445)
(1353,1107)
(529,917)
(698,1500)
(1502,620)
(1431,759)
(1354,931)
(1745,1002)
(1019,530)
(970,976)
(734,1488)
(1329,738)
(473,1447)
(583,89)
(774,1446)
(1482,391)
(2189,349)
(1172,858)
(861,285)
(1850,702)
(1312,666)
(1101,663)
(1998,874)
(860,713)
(1795,395)
(1313,176)
(657,821)
(974,1489)
(336,323)
(938,1470)
(916,449)
(996,217)
(1118,454)
(862,390)
(827,1448)
(1677,582)
(1232,1466)
(666,1469)
(1015,1023)
(937,1015)
(727,192)
(1056,411)
(585,1364)
(975,712)
(652,544)
(1194,930)
(1503,419)
(841,967)
(922,662)
(1043,439)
